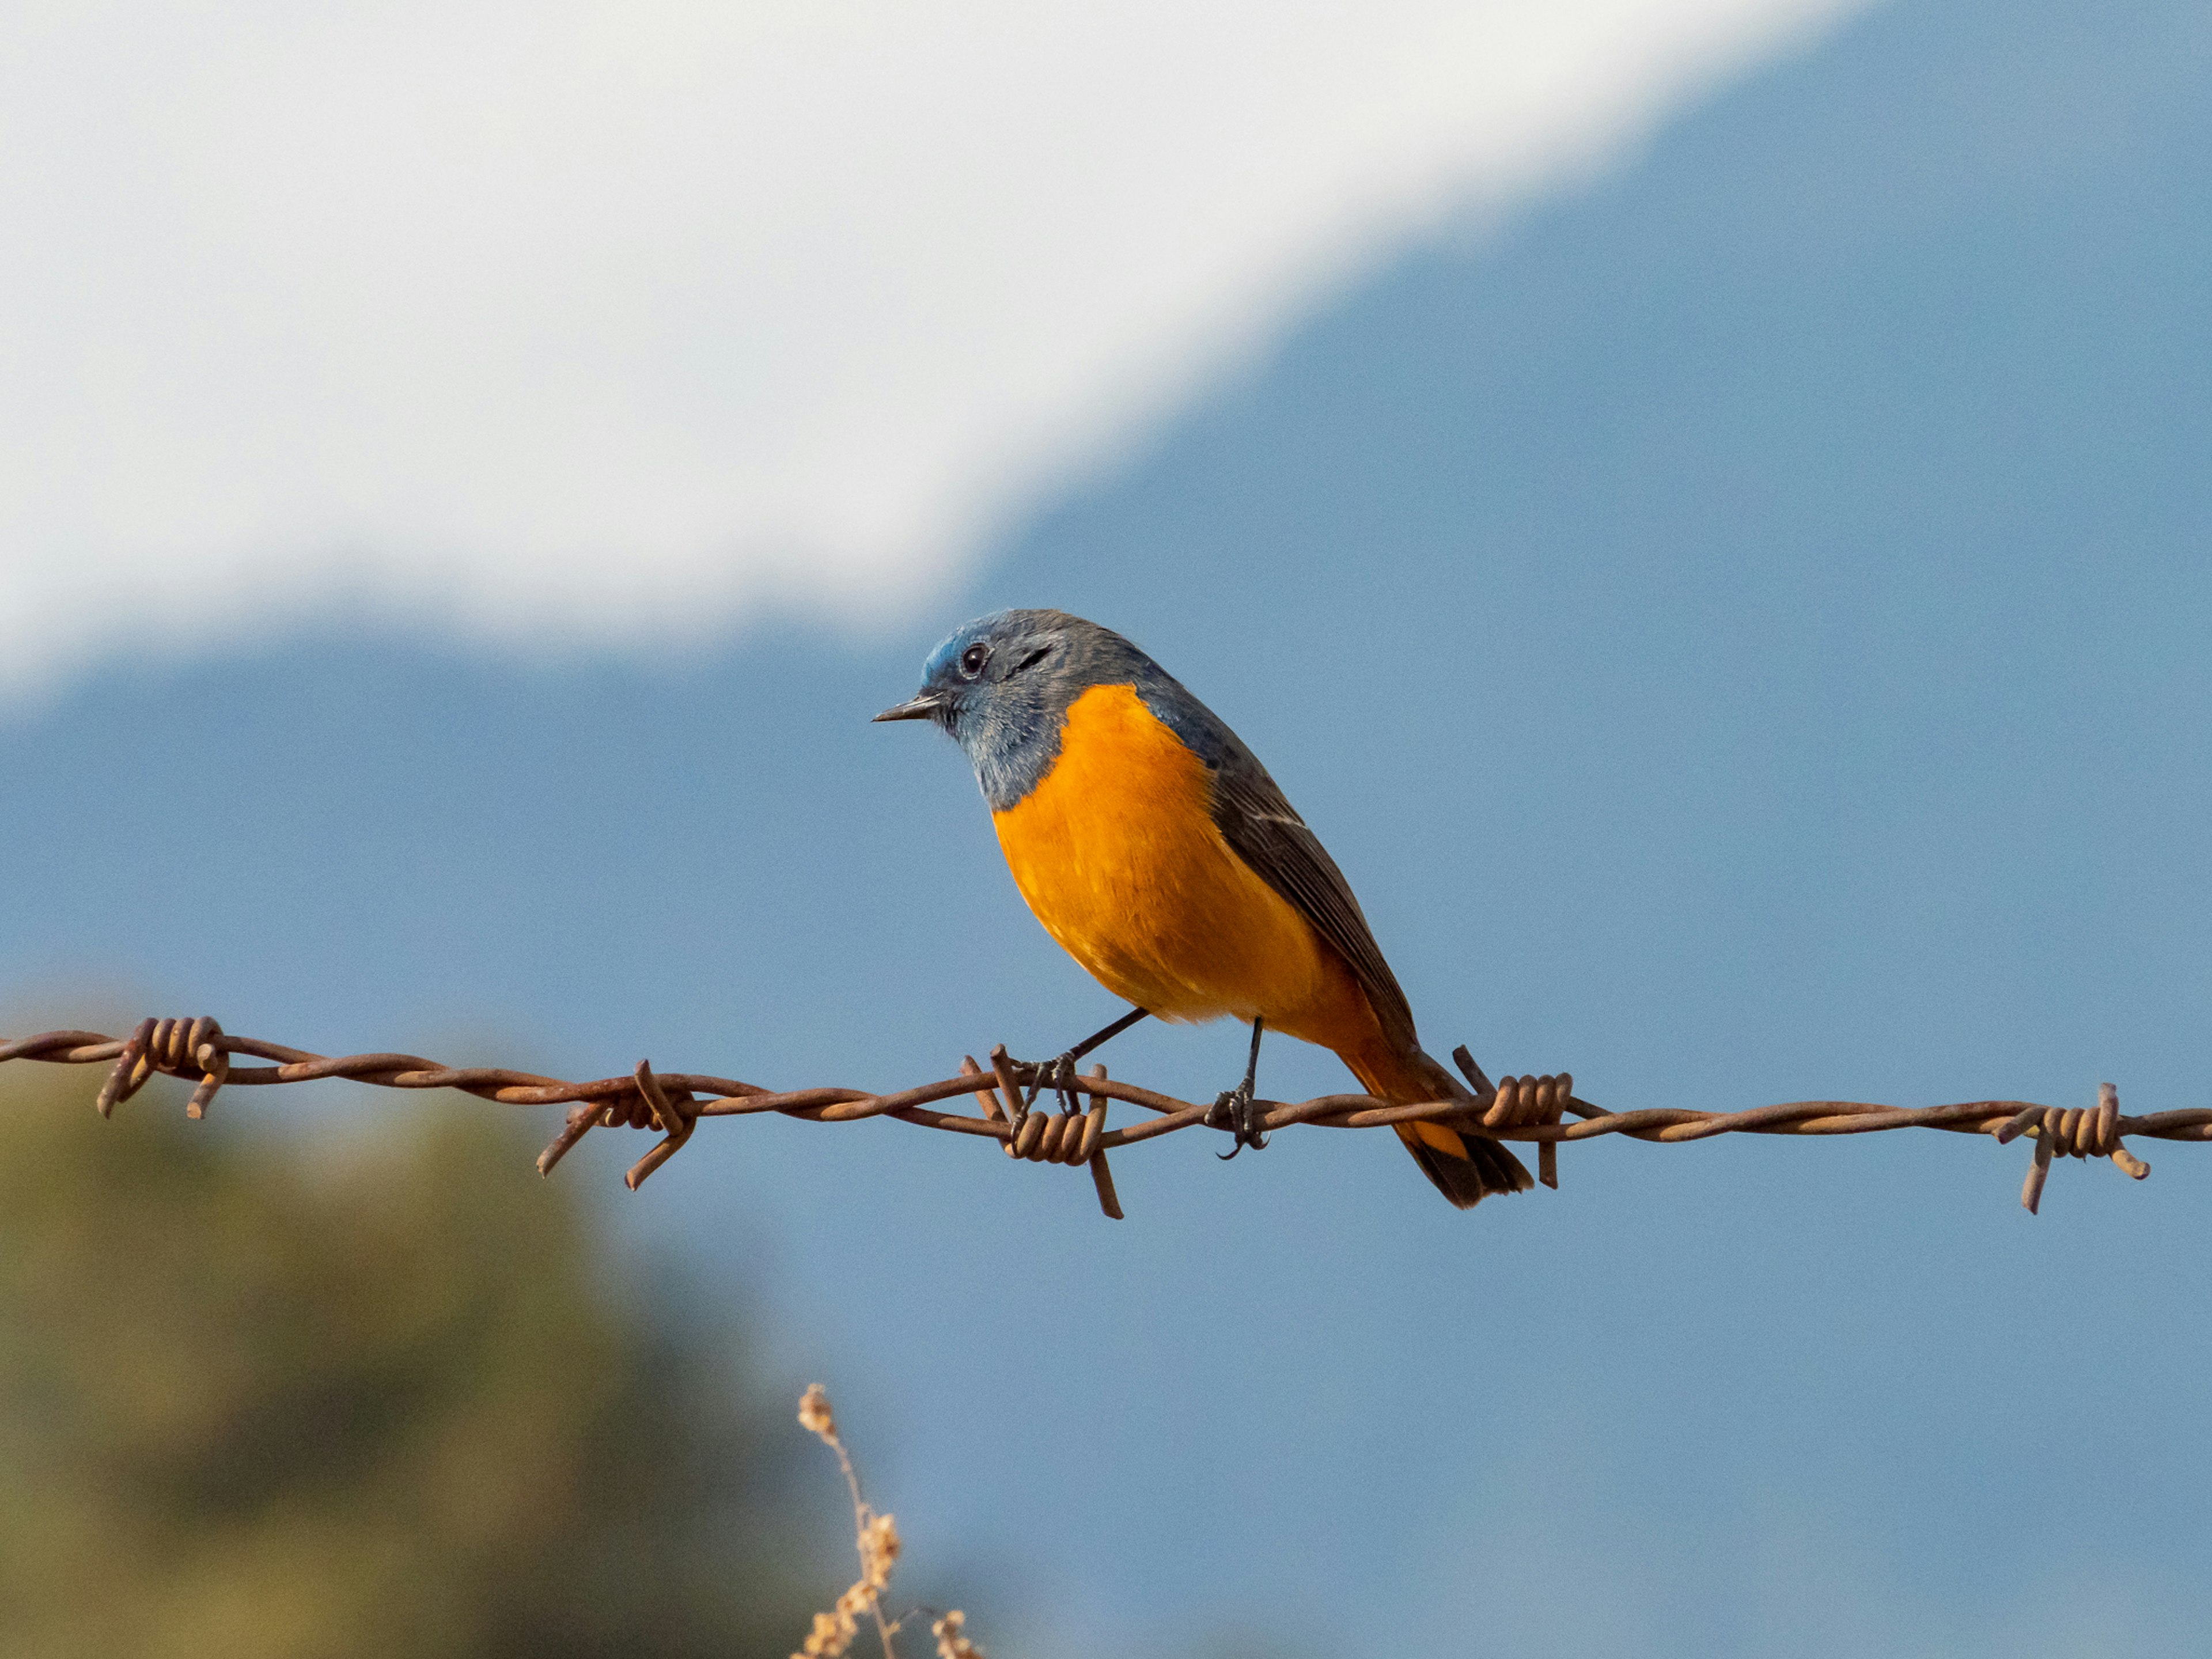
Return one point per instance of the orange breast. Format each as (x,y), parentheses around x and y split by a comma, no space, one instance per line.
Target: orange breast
(1117,853)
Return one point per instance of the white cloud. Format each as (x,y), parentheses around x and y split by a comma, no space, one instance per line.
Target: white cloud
(598,316)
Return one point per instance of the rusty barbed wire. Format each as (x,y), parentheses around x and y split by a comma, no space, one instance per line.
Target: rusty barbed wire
(1522,1108)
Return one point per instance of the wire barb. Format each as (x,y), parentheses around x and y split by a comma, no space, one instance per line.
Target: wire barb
(1524,1103)
(1094,1155)
(674,1114)
(178,1048)
(1518,1108)
(2076,1132)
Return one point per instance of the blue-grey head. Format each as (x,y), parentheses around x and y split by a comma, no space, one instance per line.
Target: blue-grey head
(1001,686)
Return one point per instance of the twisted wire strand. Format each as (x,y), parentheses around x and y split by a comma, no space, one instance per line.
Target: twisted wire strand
(1516,1108)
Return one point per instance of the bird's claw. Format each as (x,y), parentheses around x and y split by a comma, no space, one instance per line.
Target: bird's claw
(1235,1109)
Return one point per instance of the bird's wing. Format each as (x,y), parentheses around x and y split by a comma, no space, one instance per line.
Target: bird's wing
(1259,821)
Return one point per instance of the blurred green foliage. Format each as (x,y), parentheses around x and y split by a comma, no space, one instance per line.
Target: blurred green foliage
(271,1398)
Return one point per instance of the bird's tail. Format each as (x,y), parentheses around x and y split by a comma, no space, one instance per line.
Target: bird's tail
(1466,1168)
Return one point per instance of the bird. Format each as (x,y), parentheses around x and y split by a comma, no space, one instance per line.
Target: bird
(1157,850)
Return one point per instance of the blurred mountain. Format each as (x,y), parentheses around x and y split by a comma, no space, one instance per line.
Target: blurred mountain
(1739,626)
(1799,538)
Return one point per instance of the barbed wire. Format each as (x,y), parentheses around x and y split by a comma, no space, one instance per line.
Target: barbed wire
(1520,1108)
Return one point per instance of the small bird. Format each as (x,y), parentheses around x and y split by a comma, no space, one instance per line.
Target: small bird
(1154,846)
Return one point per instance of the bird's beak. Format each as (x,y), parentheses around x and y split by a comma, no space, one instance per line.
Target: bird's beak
(922,708)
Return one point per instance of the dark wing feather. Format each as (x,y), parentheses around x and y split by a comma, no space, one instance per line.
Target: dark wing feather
(1256,819)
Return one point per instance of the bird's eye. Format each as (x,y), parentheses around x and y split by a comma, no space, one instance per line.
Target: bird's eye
(973,658)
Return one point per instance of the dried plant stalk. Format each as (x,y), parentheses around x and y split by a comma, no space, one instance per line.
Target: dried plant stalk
(876,1537)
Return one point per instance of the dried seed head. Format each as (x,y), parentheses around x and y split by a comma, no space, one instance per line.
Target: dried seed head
(814,1413)
(879,1553)
(832,1634)
(951,1644)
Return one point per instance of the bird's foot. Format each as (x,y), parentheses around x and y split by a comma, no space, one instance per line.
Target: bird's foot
(1235,1110)
(1057,1074)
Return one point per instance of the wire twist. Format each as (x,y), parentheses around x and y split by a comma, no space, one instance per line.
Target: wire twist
(1517,1109)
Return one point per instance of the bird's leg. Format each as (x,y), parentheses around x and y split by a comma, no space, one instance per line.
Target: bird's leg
(1059,1073)
(1233,1110)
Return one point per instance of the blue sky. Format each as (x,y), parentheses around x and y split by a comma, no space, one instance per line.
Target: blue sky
(1739,623)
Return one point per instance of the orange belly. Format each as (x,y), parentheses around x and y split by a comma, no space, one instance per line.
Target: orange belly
(1117,853)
